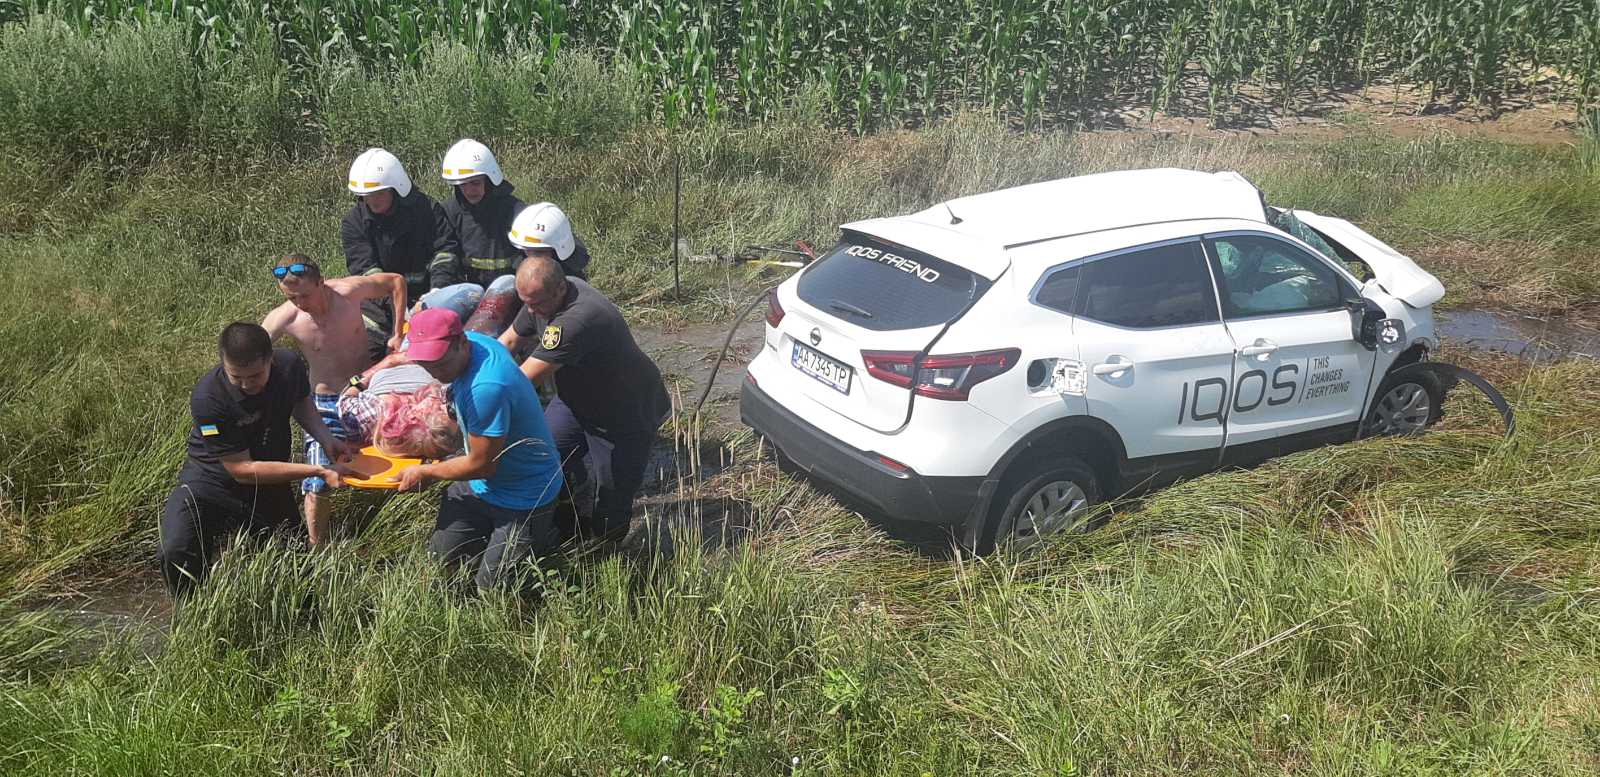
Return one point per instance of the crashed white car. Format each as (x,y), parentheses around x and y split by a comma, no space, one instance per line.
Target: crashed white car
(1003,361)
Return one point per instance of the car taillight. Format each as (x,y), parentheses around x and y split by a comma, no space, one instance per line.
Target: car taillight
(939,377)
(953,376)
(892,464)
(890,366)
(774,310)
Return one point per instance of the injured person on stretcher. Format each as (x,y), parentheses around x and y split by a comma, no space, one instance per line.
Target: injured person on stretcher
(399,409)
(396,407)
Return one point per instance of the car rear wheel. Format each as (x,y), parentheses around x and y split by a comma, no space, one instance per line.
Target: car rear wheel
(1053,495)
(1405,404)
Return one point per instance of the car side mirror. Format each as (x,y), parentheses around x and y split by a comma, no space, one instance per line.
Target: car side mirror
(1373,328)
(1366,319)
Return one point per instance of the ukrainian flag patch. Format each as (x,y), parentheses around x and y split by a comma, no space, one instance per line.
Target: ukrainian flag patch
(209,430)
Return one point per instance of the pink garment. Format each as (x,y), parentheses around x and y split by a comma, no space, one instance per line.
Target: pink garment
(417,425)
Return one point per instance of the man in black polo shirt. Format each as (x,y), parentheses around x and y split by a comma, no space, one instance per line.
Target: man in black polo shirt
(609,395)
(238,474)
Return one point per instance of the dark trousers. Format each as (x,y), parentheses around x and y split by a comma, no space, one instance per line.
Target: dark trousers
(501,539)
(378,317)
(603,470)
(199,516)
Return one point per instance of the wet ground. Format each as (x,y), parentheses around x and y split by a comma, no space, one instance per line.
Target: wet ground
(686,355)
(1525,337)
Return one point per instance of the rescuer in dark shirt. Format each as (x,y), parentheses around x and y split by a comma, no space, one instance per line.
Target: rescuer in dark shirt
(237,474)
(609,396)
(393,227)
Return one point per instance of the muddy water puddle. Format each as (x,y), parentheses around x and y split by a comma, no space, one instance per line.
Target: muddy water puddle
(671,466)
(1525,337)
(686,355)
(132,608)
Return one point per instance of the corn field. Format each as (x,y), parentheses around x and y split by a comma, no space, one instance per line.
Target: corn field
(889,62)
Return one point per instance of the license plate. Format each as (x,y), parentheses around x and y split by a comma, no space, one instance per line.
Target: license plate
(823,368)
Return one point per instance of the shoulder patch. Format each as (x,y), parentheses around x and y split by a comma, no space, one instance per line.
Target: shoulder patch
(208,430)
(551,338)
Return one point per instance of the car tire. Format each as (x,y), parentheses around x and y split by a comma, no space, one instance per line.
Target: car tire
(1034,491)
(1407,402)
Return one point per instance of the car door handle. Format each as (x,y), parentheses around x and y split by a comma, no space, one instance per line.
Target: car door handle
(1259,348)
(1112,368)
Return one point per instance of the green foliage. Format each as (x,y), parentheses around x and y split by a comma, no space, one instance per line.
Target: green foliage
(655,722)
(722,727)
(418,112)
(430,68)
(132,92)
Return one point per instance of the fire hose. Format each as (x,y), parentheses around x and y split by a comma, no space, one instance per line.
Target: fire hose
(752,255)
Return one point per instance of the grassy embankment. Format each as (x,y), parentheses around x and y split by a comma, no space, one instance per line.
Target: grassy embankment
(1414,607)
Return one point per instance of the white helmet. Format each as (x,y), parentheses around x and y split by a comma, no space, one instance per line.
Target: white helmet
(543,226)
(378,169)
(468,158)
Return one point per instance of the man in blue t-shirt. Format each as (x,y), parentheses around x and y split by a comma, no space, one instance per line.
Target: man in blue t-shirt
(502,504)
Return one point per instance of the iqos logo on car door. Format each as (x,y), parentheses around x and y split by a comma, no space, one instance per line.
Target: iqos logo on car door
(1212,399)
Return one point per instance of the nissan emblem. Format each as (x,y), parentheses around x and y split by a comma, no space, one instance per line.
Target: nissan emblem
(816,336)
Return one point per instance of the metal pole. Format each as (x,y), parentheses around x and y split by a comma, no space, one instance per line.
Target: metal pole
(677,197)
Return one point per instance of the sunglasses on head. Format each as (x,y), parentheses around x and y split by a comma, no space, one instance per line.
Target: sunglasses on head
(298,269)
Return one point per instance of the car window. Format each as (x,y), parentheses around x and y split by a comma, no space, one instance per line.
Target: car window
(1059,289)
(881,286)
(1263,276)
(1286,220)
(1154,287)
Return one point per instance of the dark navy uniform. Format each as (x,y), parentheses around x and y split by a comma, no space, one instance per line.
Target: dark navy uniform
(609,401)
(208,504)
(406,240)
(484,249)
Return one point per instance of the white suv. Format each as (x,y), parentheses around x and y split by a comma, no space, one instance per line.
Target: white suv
(1003,361)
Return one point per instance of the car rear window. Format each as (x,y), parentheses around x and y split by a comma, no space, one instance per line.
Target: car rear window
(881,286)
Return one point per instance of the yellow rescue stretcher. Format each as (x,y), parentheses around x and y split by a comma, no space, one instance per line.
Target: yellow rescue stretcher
(371,469)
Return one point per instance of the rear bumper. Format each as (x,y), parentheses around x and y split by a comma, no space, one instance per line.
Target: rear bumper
(898,494)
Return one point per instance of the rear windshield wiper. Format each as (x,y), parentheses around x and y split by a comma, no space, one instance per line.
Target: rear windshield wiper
(849,308)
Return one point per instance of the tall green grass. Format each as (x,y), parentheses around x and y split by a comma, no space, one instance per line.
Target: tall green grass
(1393,607)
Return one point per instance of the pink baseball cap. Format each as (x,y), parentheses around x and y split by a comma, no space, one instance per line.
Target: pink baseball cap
(431,333)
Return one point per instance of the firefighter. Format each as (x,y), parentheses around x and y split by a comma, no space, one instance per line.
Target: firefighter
(393,227)
(479,215)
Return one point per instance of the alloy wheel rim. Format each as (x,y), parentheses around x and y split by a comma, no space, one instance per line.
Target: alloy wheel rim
(1404,410)
(1052,507)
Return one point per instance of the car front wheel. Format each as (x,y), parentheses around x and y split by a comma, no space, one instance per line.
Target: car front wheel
(1405,404)
(1053,495)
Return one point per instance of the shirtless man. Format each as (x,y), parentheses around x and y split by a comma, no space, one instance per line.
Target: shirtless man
(324,317)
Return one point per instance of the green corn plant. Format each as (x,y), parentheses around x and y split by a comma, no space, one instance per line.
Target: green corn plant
(886,62)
